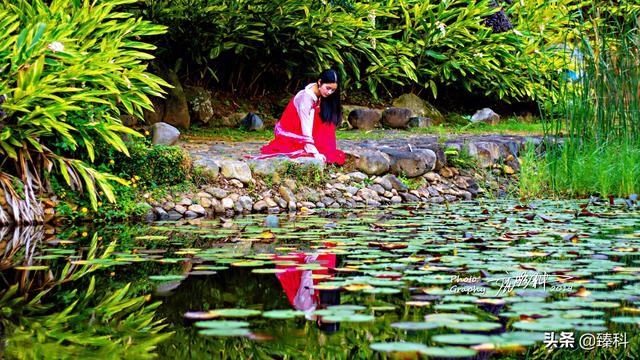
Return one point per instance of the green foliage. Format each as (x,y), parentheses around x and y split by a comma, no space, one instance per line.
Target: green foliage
(153,165)
(375,45)
(460,158)
(306,174)
(57,59)
(595,132)
(412,183)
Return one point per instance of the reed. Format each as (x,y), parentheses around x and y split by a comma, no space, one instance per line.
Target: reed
(594,135)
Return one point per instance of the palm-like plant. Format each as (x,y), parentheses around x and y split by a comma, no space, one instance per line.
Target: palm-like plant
(58,57)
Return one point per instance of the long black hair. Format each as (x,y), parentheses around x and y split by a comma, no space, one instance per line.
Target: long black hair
(330,107)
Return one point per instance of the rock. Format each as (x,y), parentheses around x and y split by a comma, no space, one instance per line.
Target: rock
(377,188)
(185,202)
(164,134)
(157,114)
(340,187)
(190,215)
(217,192)
(273,210)
(409,197)
(368,194)
(396,199)
(270,202)
(206,202)
(373,163)
(234,169)
(287,194)
(384,182)
(200,104)
(357,176)
(260,206)
(292,206)
(246,202)
(168,205)
(252,122)
(217,206)
(308,204)
(198,209)
(487,152)
(373,203)
(227,203)
(236,183)
(419,122)
(486,115)
(204,194)
(396,118)
(176,109)
(432,177)
(437,200)
(320,205)
(291,184)
(272,221)
(441,157)
(411,163)
(282,203)
(309,161)
(450,198)
(150,216)
(173,215)
(327,201)
(446,172)
(162,214)
(396,184)
(210,166)
(352,190)
(266,167)
(465,195)
(364,119)
(181,209)
(418,107)
(343,178)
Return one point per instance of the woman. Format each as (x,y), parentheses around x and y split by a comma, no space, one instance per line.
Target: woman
(307,127)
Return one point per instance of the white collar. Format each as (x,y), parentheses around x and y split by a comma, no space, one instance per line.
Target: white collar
(309,90)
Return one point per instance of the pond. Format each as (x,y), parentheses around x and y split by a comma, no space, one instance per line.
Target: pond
(482,279)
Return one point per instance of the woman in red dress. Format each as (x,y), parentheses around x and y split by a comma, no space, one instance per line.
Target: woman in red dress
(307,127)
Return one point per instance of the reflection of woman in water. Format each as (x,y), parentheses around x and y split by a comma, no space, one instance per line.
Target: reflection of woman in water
(299,284)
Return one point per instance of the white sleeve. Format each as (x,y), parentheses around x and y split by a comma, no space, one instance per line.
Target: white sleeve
(304,106)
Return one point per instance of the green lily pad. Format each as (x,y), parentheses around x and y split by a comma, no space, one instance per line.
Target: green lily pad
(221,324)
(225,332)
(167,277)
(282,314)
(399,347)
(449,352)
(349,318)
(413,326)
(461,339)
(474,326)
(235,312)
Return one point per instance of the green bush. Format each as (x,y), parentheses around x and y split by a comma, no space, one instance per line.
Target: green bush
(62,57)
(380,46)
(155,165)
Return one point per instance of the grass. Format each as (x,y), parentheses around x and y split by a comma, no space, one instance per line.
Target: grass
(511,126)
(596,123)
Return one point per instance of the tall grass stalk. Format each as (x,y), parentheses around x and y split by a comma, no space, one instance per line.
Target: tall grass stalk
(594,136)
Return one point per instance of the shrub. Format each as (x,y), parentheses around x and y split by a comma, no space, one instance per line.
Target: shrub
(57,58)
(154,165)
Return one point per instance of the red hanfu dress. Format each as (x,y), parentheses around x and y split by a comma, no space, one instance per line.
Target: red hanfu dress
(301,133)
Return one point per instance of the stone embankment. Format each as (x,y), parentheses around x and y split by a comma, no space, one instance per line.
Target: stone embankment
(377,173)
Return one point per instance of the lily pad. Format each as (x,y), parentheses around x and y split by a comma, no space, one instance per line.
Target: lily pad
(282,314)
(235,312)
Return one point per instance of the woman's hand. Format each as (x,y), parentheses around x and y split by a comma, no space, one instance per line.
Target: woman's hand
(320,157)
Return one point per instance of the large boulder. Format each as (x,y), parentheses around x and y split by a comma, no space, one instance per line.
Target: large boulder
(486,115)
(419,122)
(373,163)
(418,107)
(411,163)
(200,104)
(235,169)
(164,134)
(441,157)
(155,116)
(364,119)
(177,108)
(396,117)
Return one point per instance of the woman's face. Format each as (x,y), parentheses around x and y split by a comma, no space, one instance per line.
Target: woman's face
(327,89)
